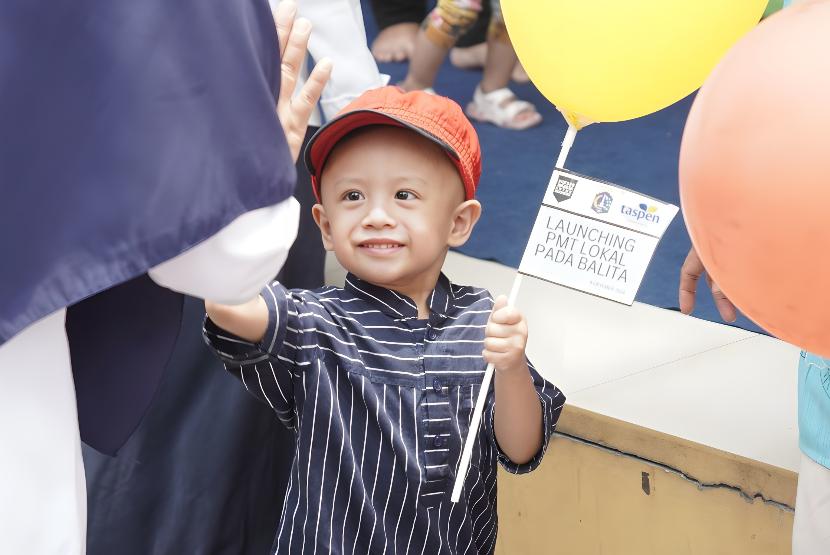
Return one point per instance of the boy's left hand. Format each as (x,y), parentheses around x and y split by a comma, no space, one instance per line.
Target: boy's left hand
(505,338)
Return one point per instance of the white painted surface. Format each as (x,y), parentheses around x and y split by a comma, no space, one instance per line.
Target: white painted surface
(723,387)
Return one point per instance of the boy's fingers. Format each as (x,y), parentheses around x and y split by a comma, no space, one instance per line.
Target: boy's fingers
(504,345)
(507,315)
(498,330)
(491,356)
(497,344)
(499,360)
(506,337)
(501,302)
(284,15)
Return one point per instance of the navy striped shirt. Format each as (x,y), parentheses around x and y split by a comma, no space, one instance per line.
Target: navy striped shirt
(380,402)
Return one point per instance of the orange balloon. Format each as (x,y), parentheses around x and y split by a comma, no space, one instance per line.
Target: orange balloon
(755,175)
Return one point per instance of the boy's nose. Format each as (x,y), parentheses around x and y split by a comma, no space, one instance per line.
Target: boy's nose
(378,217)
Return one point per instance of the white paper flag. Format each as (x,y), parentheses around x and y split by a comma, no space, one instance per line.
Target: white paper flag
(594,236)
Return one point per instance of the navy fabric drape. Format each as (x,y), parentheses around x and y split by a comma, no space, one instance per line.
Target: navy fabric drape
(133,131)
(114,390)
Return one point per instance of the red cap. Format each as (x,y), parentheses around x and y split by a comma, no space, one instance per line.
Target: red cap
(437,118)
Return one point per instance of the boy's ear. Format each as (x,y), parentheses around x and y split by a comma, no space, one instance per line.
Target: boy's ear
(322,221)
(463,221)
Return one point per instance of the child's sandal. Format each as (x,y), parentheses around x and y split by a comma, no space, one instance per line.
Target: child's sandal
(502,108)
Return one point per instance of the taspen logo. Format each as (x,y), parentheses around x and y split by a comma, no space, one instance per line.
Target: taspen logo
(642,214)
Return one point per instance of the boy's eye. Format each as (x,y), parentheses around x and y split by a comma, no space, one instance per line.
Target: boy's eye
(404,195)
(353,195)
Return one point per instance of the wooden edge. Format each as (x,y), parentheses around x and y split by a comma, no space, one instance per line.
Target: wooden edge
(704,464)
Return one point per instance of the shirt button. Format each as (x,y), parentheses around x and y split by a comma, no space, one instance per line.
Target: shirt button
(436,385)
(432,335)
(438,442)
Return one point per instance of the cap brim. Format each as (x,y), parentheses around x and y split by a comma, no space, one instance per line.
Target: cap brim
(321,143)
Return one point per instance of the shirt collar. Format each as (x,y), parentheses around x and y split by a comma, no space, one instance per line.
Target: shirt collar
(399,306)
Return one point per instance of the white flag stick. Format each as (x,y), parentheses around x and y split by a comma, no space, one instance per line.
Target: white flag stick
(464,465)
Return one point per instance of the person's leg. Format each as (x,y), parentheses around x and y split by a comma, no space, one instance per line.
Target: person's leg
(519,74)
(477,33)
(439,32)
(469,57)
(492,100)
(470,53)
(42,485)
(811,528)
(500,58)
(471,49)
(397,22)
(474,57)
(498,28)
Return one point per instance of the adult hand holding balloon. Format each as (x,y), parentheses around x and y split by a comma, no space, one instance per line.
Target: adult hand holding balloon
(615,60)
(755,175)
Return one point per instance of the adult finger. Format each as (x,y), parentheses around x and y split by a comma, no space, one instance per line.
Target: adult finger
(725,307)
(303,104)
(284,15)
(292,59)
(690,274)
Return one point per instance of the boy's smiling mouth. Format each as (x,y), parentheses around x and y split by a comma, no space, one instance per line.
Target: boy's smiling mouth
(380,246)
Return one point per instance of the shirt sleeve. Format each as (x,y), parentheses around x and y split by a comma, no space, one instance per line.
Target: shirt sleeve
(268,369)
(552,400)
(339,34)
(232,265)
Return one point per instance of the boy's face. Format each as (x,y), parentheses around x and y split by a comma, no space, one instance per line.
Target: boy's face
(392,205)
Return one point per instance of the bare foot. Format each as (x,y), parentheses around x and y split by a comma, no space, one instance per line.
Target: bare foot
(470,57)
(519,74)
(395,43)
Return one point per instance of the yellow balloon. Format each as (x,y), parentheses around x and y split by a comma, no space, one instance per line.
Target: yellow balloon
(615,60)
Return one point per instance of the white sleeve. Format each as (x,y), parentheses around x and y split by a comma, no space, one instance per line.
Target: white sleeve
(338,34)
(232,266)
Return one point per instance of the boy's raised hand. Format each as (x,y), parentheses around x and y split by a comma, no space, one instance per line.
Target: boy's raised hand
(294,112)
(248,320)
(505,338)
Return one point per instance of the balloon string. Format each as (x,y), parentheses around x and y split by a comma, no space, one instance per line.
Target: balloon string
(466,454)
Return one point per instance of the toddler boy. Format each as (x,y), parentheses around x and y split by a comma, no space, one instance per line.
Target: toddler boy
(379,378)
